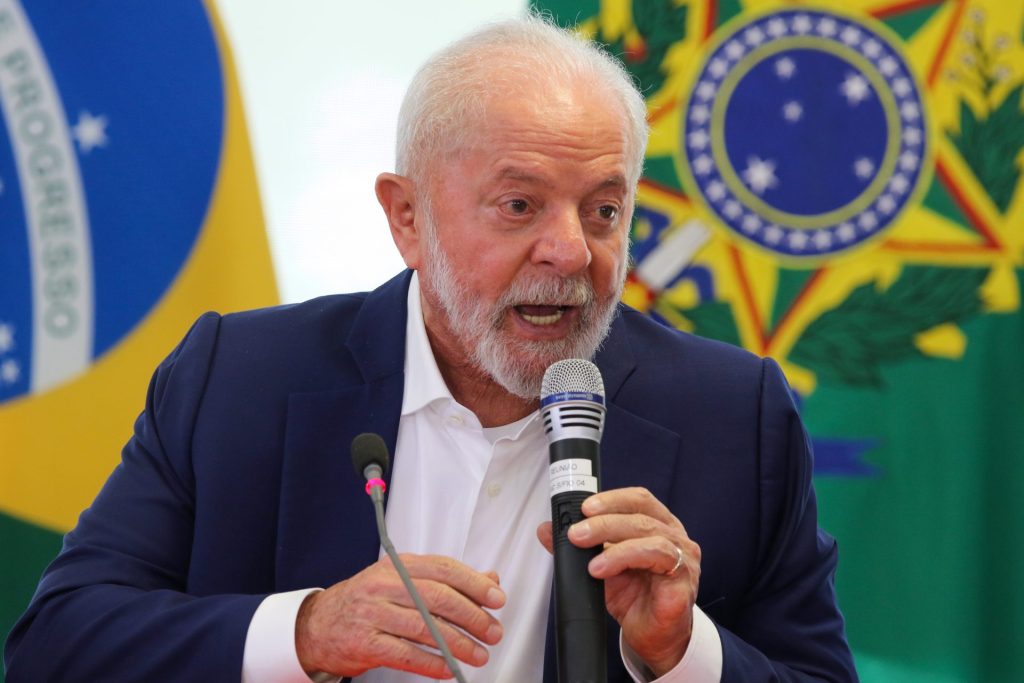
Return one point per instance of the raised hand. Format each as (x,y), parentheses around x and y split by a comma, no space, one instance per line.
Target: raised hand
(651,570)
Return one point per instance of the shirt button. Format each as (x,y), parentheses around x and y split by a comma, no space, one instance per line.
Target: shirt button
(493,490)
(455,419)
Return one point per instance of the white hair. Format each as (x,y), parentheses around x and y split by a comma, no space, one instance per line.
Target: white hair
(450,92)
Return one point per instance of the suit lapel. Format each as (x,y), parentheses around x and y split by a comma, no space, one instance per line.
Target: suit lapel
(326,525)
(634,450)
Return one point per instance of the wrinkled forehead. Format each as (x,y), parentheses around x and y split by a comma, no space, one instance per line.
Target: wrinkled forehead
(514,104)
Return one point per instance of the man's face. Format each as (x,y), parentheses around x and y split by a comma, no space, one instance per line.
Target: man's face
(524,251)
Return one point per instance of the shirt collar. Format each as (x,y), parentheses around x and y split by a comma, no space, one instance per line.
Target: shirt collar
(423,381)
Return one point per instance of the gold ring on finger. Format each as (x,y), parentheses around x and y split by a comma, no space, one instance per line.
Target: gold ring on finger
(679,561)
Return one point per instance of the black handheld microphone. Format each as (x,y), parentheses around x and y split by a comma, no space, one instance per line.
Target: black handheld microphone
(370,458)
(572,404)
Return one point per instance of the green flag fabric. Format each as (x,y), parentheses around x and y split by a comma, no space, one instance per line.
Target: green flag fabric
(837,185)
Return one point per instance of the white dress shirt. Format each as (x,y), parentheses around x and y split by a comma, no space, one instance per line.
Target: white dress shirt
(477,495)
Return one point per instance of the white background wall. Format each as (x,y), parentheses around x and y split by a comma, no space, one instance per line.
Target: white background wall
(322,81)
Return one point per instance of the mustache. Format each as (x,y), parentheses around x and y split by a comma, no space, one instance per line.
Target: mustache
(550,291)
(555,291)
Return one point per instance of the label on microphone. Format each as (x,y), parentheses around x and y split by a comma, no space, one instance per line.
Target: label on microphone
(572,474)
(572,397)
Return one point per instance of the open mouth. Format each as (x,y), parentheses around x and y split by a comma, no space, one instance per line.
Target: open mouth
(541,315)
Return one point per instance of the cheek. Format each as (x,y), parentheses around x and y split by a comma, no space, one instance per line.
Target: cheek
(484,269)
(494,261)
(607,263)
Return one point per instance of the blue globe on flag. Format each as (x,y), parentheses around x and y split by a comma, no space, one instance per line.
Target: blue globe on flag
(841,139)
(104,181)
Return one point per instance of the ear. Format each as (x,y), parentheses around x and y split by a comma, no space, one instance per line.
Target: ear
(397,197)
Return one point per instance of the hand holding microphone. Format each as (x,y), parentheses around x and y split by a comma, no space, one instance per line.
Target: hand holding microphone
(625,539)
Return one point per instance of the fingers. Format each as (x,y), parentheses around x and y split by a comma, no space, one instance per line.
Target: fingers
(633,500)
(452,591)
(396,653)
(622,514)
(638,533)
(617,528)
(370,620)
(453,607)
(657,555)
(479,587)
(407,624)
(546,536)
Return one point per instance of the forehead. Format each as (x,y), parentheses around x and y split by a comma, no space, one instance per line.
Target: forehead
(564,125)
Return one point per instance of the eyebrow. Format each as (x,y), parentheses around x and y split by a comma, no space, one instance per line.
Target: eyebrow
(614,181)
(513,173)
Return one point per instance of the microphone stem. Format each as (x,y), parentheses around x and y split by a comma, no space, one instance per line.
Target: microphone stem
(389,548)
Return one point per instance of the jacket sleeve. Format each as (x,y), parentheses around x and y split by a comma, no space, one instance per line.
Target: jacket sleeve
(115,604)
(788,627)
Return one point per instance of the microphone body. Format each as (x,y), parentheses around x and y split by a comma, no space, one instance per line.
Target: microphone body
(572,405)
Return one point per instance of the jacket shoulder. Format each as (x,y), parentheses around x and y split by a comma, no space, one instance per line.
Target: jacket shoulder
(667,349)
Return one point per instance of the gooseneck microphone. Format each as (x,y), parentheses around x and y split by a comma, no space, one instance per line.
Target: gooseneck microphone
(370,458)
(572,405)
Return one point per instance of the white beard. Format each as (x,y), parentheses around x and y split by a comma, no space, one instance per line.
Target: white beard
(517,364)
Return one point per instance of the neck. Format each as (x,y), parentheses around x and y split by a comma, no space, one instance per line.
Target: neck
(493,405)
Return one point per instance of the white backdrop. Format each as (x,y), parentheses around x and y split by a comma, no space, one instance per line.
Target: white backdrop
(322,81)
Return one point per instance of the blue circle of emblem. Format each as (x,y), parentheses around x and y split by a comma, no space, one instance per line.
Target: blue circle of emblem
(805,133)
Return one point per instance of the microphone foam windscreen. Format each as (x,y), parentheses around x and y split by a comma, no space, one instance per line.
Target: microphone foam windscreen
(570,375)
(369,449)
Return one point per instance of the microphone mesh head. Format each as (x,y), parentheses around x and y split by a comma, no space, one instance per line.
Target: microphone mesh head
(572,374)
(367,449)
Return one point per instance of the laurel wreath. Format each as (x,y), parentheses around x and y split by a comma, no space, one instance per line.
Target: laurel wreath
(660,24)
(990,146)
(851,343)
(991,143)
(871,328)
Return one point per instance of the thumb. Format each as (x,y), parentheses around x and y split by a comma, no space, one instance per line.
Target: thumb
(544,535)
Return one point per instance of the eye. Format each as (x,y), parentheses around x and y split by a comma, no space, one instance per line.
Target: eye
(518,206)
(607,212)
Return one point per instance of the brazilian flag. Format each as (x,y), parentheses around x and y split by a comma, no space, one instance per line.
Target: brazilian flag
(128,206)
(838,185)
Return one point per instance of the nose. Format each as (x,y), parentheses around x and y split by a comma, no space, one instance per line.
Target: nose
(562,243)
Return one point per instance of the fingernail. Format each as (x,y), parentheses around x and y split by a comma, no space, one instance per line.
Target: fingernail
(580,531)
(598,564)
(495,597)
(593,506)
(479,654)
(494,632)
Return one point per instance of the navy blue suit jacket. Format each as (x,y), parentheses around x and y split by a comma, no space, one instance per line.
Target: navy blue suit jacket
(238,483)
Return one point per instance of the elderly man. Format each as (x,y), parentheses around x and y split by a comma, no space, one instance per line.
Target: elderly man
(519,152)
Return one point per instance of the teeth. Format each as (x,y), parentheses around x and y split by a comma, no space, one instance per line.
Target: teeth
(543,319)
